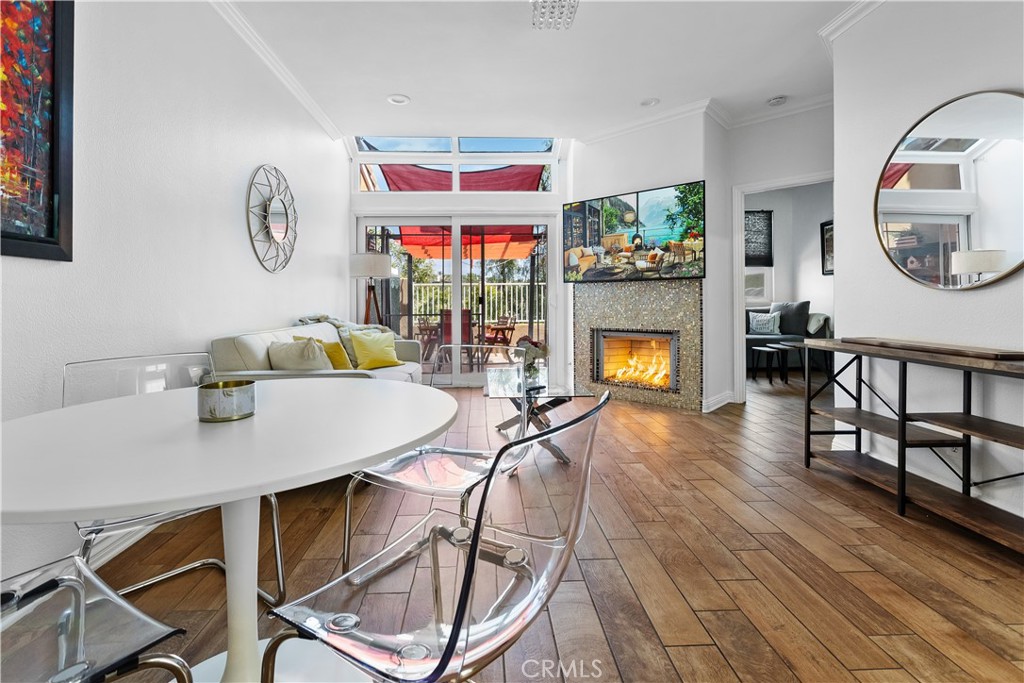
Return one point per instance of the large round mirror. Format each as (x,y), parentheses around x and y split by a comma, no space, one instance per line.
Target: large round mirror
(950,200)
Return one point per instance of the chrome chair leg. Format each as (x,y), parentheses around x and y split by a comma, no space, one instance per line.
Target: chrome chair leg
(346,542)
(275,525)
(270,654)
(215,563)
(211,562)
(86,548)
(172,663)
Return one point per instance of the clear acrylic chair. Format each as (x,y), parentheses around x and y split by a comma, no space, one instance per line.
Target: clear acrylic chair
(436,471)
(61,623)
(95,380)
(468,588)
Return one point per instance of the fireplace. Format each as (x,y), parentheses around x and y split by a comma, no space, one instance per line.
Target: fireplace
(645,359)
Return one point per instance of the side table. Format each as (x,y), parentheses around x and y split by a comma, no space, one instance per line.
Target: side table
(771,355)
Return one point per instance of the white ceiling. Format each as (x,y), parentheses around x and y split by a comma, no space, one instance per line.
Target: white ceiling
(479,68)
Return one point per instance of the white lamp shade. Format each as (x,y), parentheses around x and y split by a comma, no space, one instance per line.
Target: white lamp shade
(369,265)
(978,261)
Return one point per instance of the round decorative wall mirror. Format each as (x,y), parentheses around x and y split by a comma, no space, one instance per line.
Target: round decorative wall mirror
(949,205)
(271,217)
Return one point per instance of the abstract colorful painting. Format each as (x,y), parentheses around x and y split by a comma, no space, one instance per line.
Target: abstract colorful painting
(35,108)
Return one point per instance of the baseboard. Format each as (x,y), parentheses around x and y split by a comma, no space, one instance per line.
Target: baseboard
(110,547)
(713,404)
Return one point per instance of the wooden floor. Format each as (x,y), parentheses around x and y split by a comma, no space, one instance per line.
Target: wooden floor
(712,555)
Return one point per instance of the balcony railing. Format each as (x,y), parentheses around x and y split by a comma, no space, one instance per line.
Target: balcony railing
(500,299)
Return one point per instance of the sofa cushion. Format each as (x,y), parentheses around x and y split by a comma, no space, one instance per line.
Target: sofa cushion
(335,353)
(298,355)
(374,349)
(754,310)
(403,372)
(764,323)
(793,316)
(251,351)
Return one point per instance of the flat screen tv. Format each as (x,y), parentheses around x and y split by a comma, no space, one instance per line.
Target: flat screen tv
(650,235)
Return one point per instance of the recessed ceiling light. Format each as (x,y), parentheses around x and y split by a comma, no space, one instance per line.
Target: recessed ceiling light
(650,102)
(777,101)
(399,100)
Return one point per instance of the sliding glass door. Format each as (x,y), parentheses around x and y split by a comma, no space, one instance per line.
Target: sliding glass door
(491,289)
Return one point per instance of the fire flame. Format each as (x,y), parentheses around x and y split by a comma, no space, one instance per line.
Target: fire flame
(655,373)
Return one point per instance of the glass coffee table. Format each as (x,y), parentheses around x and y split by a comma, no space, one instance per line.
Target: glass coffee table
(533,398)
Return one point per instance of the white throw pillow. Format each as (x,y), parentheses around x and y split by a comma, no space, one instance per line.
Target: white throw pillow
(587,251)
(574,260)
(764,323)
(300,355)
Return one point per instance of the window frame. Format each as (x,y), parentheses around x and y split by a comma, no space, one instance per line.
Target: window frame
(457,159)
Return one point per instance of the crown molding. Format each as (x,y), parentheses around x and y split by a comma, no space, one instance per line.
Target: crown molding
(698,107)
(719,115)
(810,104)
(847,19)
(237,21)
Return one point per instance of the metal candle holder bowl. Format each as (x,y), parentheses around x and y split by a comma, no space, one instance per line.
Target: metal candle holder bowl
(227,401)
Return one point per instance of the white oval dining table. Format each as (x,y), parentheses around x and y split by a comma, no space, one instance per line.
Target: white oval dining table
(149,453)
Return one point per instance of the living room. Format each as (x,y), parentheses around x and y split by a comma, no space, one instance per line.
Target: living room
(175,105)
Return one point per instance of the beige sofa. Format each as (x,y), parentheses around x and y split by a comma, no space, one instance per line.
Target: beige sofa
(246,356)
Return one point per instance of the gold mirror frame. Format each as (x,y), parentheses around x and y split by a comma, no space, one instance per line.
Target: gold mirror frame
(268,189)
(878,188)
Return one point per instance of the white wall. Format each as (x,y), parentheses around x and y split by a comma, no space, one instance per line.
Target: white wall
(787,147)
(1000,175)
(720,332)
(796,232)
(970,46)
(173,113)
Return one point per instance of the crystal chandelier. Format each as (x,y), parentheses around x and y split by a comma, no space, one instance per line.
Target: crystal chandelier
(556,14)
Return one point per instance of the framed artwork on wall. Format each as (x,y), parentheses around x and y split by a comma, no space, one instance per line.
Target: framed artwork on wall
(36,160)
(757,239)
(827,248)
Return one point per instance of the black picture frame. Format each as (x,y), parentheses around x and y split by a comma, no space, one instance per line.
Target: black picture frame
(584,226)
(56,245)
(827,249)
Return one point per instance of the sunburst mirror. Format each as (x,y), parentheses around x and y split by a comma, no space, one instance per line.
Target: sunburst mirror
(272,217)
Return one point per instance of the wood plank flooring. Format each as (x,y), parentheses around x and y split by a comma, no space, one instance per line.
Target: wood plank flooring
(711,554)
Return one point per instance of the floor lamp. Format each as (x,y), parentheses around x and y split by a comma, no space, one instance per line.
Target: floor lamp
(370,266)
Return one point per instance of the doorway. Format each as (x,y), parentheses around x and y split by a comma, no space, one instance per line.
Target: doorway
(787,257)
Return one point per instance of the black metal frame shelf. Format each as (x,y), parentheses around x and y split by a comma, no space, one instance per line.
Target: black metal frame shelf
(906,429)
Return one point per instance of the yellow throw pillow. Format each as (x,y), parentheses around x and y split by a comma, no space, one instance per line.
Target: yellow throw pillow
(374,349)
(335,353)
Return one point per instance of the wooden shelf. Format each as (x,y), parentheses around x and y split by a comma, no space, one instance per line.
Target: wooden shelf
(888,426)
(999,525)
(981,427)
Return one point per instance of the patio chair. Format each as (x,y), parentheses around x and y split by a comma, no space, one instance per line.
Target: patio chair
(467,326)
(500,333)
(95,380)
(60,622)
(451,627)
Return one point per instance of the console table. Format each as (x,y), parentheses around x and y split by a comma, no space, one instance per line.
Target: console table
(911,430)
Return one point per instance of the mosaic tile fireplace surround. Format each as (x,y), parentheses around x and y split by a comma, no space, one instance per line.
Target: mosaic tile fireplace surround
(669,312)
